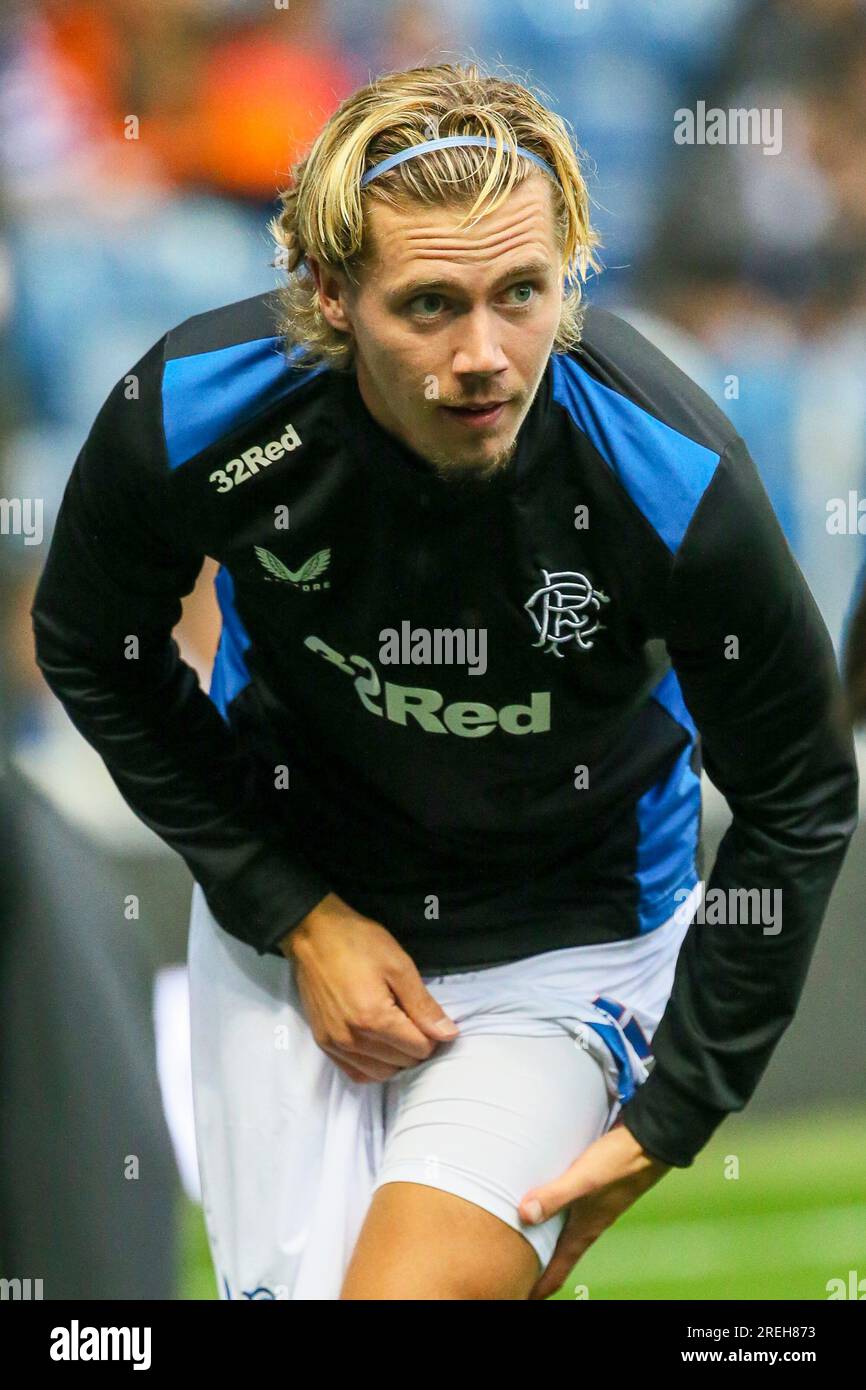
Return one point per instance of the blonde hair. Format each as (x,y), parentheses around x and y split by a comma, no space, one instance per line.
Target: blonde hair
(323,208)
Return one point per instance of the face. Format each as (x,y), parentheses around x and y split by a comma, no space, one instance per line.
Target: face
(446,319)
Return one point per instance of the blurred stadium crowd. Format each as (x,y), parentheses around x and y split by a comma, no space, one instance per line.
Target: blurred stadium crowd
(140,148)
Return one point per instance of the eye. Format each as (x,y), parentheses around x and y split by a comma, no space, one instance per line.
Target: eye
(524,285)
(424,298)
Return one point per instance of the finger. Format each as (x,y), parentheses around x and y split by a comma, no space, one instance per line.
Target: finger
(381,1017)
(381,1034)
(571,1246)
(544,1202)
(389,1027)
(550,1282)
(345,1067)
(425,1014)
(380,1047)
(364,1068)
(610,1161)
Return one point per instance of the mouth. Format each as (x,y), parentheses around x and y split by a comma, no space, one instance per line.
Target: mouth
(484,413)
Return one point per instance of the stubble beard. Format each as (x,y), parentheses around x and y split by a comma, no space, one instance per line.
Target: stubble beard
(467,474)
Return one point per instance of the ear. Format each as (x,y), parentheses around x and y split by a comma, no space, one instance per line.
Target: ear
(333,295)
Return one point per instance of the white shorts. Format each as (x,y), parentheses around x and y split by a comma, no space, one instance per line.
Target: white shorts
(290,1150)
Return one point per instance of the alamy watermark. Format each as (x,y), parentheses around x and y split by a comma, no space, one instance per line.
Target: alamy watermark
(737,126)
(853,1287)
(23,1290)
(77,1343)
(735,906)
(846,516)
(438,646)
(22,516)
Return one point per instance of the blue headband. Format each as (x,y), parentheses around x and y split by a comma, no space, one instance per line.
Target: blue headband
(441,143)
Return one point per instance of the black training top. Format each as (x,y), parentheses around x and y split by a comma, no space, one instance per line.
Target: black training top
(477,714)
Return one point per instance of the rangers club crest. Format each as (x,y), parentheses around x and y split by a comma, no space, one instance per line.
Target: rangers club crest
(565,609)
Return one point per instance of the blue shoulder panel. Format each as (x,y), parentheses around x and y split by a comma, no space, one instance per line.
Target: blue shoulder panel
(664,472)
(206,395)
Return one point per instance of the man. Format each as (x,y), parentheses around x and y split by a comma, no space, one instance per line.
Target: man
(493,572)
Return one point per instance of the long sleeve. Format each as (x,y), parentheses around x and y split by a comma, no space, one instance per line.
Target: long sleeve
(108,599)
(854,650)
(759,677)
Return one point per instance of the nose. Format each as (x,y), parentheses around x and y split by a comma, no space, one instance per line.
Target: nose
(478,351)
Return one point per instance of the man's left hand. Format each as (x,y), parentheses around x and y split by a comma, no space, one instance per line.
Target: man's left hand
(598,1187)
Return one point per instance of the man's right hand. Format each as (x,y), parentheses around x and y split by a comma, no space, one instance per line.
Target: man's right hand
(363,996)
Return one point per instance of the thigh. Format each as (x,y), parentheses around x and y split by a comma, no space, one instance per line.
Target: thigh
(421,1242)
(477,1125)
